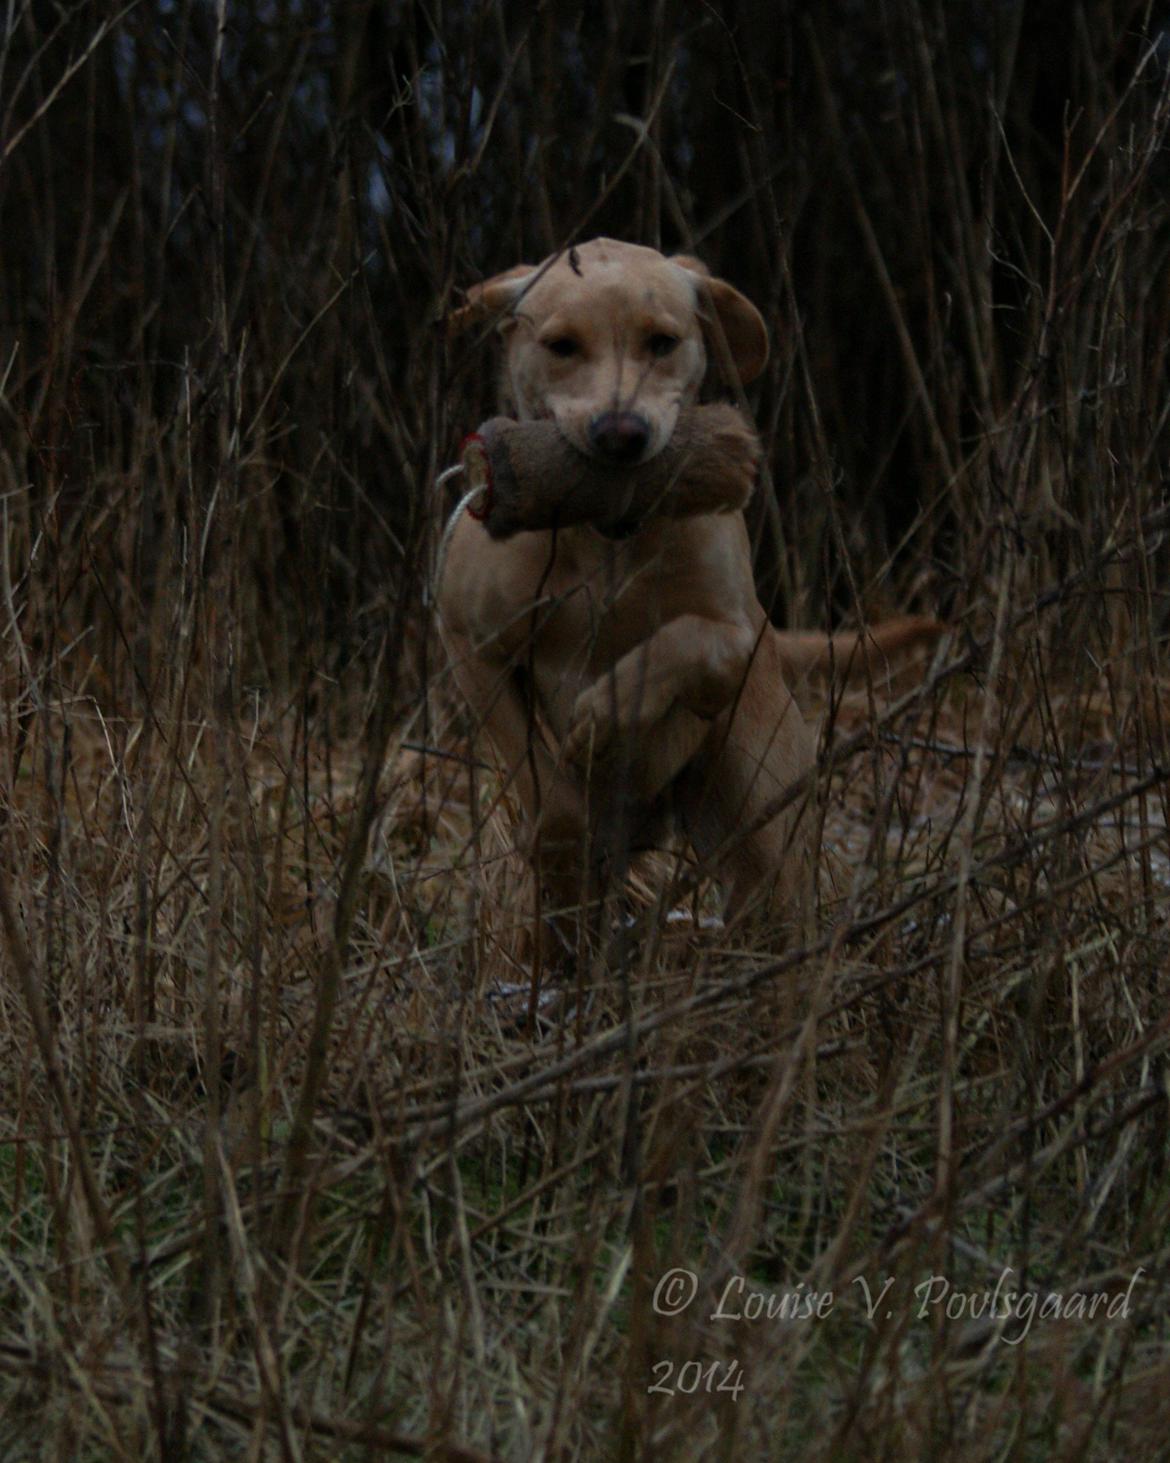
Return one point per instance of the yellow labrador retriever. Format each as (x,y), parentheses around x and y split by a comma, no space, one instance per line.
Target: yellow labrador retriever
(631,684)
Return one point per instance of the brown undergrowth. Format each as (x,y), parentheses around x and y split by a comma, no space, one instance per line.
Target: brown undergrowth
(958,1080)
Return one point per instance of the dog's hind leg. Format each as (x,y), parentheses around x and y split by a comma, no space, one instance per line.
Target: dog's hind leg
(756,753)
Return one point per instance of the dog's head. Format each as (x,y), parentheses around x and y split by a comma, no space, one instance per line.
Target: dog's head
(611,339)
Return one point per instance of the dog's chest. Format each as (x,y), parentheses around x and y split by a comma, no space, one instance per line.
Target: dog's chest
(599,601)
(602,598)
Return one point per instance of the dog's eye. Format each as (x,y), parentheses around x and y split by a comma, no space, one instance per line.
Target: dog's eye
(562,345)
(661,344)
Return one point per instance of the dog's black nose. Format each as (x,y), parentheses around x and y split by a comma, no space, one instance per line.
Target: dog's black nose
(619,436)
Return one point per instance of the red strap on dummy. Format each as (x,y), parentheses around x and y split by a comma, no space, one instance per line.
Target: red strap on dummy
(478,467)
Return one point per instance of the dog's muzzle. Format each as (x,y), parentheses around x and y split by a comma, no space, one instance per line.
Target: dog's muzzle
(619,437)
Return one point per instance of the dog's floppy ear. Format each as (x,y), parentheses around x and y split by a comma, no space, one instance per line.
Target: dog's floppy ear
(490,298)
(731,322)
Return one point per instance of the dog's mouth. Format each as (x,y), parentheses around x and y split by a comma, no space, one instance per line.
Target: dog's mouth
(620,517)
(623,513)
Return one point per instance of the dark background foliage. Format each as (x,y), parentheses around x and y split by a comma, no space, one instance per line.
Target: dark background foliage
(244,239)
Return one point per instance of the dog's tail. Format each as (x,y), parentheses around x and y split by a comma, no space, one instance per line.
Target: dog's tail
(851,656)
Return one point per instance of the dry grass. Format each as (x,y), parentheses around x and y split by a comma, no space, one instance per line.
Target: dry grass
(292,1164)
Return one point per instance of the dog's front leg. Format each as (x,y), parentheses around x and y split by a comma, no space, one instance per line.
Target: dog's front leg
(692,663)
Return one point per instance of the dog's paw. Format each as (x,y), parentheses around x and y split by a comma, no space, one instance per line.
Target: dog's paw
(592,728)
(614,710)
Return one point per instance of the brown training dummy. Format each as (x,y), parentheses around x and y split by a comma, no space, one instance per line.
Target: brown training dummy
(531,477)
